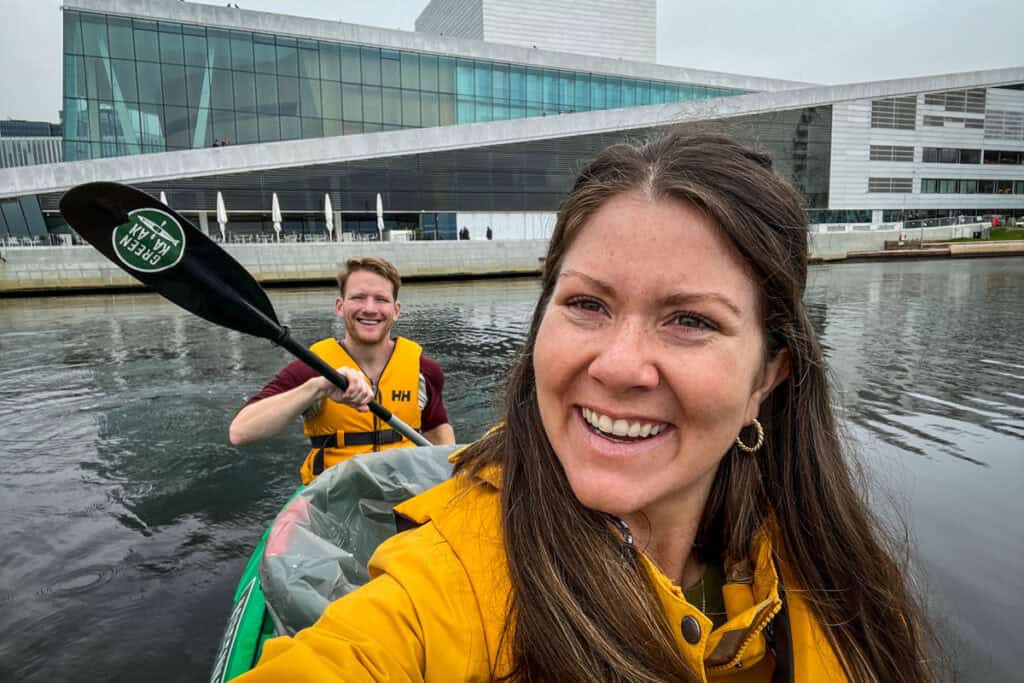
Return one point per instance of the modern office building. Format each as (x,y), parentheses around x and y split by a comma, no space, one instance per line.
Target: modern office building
(458,130)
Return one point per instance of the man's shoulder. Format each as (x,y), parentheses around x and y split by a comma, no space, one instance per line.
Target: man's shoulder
(297,370)
(429,366)
(326,343)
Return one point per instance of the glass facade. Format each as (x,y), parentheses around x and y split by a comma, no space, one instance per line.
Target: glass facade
(425,190)
(133,86)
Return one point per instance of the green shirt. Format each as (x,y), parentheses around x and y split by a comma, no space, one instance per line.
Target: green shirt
(706,595)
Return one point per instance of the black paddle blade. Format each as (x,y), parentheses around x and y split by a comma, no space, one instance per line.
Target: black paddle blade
(167,253)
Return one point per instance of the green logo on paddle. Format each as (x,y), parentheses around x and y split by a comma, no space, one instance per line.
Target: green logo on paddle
(150,241)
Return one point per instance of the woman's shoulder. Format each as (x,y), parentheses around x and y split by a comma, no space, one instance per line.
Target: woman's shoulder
(462,509)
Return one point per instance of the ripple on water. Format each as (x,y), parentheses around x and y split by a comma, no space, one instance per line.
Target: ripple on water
(78,581)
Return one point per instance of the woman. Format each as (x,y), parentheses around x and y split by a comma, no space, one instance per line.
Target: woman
(667,427)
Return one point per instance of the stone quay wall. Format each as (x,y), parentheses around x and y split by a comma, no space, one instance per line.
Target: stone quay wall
(55,270)
(35,270)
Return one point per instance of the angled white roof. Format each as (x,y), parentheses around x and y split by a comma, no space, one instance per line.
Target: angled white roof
(312,152)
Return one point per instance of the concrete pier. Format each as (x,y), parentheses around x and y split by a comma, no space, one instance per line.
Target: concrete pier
(35,270)
(55,270)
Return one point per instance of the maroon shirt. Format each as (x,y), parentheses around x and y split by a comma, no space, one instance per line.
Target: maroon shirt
(297,373)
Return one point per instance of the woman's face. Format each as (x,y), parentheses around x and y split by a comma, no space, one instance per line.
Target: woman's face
(649,358)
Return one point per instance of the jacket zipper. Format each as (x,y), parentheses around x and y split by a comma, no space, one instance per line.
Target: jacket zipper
(754,632)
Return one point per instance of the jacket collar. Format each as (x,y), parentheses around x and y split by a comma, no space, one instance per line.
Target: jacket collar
(751,595)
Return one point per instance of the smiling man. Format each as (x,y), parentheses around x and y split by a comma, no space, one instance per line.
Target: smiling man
(394,371)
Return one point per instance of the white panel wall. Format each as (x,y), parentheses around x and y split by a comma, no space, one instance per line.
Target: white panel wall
(604,28)
(508,226)
(852,137)
(453,18)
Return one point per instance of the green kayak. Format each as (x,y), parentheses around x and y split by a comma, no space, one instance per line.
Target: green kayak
(317,548)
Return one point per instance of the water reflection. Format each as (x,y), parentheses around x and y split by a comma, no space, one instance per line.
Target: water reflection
(129,517)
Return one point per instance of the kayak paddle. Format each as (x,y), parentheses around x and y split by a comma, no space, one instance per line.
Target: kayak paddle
(168,254)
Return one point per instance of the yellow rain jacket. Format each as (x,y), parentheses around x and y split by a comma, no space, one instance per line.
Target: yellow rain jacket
(338,432)
(436,604)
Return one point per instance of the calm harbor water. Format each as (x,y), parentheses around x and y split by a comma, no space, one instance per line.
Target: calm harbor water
(126,518)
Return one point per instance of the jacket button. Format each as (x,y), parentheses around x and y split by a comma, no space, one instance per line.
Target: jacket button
(691,630)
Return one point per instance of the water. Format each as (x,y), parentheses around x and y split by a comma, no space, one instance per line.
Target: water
(127,518)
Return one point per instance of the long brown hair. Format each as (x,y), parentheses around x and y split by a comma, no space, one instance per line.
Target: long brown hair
(580,609)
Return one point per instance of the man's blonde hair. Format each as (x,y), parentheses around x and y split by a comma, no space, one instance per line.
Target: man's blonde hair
(374,265)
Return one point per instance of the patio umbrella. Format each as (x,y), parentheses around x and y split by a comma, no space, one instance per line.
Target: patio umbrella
(380,217)
(329,216)
(275,215)
(222,217)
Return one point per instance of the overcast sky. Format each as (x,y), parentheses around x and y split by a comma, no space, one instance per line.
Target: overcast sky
(821,41)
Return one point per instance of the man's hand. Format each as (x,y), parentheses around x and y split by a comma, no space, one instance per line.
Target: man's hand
(358,395)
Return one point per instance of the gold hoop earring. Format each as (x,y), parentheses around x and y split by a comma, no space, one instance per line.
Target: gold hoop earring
(760,439)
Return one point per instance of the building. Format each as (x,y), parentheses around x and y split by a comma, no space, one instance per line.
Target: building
(192,100)
(26,143)
(602,28)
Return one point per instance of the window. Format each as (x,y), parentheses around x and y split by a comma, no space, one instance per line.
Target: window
(350,64)
(891,153)
(972,101)
(330,62)
(331,93)
(948,155)
(309,62)
(950,186)
(890,184)
(264,54)
(241,51)
(122,45)
(352,102)
(970,156)
(428,73)
(411,71)
(390,68)
(245,91)
(287,57)
(896,112)
(976,101)
(1005,125)
(370,59)
(995,156)
(936,121)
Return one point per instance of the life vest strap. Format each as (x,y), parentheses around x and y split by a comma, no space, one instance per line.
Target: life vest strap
(356,439)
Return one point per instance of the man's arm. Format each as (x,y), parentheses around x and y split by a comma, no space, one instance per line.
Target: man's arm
(441,435)
(435,425)
(268,416)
